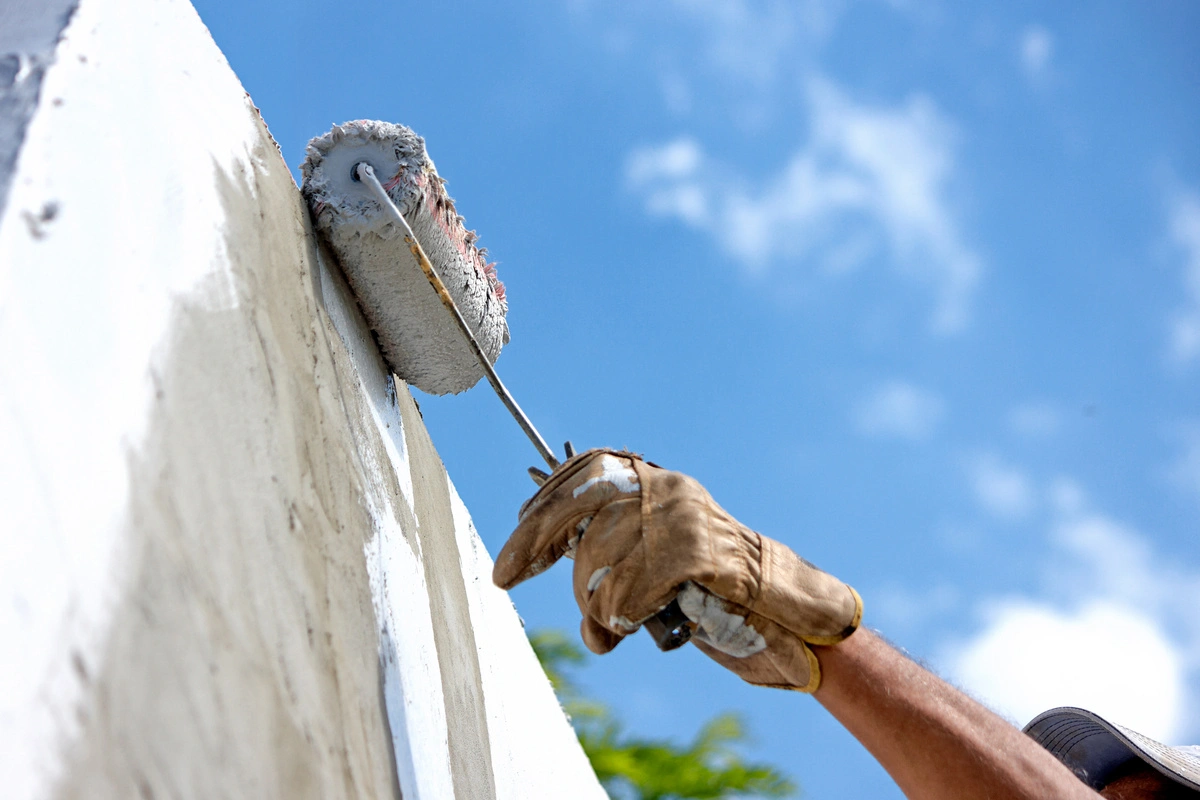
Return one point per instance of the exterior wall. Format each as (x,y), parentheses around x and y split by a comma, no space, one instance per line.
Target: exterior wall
(232,562)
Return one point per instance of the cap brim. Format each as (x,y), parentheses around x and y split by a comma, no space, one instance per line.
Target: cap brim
(1094,748)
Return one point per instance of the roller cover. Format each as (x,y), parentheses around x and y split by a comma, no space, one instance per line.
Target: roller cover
(419,339)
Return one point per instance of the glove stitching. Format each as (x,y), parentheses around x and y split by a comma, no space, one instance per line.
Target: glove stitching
(763,570)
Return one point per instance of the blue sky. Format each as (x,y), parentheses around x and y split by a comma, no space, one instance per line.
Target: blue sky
(913,287)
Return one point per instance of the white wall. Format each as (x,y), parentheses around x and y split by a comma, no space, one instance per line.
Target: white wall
(231,562)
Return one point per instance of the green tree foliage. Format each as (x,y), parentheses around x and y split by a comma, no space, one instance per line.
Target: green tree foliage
(633,768)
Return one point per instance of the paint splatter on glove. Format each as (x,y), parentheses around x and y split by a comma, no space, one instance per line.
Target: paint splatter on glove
(642,535)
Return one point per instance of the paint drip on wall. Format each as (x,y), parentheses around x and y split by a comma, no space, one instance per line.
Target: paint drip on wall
(419,338)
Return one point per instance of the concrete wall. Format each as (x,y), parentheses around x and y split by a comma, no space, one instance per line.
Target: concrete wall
(231,561)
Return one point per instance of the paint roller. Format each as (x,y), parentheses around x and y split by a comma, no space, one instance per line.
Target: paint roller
(398,237)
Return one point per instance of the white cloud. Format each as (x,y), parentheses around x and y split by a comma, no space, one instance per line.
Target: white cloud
(1035,50)
(747,40)
(739,42)
(671,165)
(732,58)
(1105,657)
(899,410)
(1184,226)
(679,159)
(867,172)
(1113,630)
(1004,491)
(1158,584)
(1104,556)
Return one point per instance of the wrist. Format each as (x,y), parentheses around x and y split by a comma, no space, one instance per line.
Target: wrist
(839,659)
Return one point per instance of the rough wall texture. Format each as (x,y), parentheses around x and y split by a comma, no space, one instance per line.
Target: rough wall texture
(234,565)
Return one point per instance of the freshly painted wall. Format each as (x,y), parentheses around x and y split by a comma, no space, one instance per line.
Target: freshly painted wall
(231,561)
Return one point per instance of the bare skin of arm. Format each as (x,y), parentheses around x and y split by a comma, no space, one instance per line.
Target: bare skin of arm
(935,742)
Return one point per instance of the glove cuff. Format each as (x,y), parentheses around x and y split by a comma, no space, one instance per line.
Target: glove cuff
(812,604)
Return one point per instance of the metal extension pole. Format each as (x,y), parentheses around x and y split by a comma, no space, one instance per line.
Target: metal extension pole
(366,174)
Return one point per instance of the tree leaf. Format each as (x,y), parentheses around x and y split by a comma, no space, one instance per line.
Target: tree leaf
(634,768)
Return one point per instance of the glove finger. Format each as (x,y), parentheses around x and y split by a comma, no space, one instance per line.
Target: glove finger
(617,574)
(610,536)
(626,595)
(612,583)
(599,640)
(549,520)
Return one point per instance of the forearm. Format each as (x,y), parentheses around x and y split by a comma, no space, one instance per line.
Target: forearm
(932,739)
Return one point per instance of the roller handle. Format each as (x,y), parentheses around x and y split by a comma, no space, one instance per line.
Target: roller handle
(670,628)
(365,173)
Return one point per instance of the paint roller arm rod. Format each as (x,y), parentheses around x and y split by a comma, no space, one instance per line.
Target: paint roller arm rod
(366,174)
(670,628)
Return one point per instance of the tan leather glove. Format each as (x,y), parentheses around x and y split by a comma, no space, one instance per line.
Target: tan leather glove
(642,535)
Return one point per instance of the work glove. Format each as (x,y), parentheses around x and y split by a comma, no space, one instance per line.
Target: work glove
(642,536)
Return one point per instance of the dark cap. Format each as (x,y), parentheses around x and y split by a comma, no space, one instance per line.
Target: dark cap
(1094,748)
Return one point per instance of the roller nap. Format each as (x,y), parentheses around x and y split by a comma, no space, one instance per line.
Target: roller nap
(418,337)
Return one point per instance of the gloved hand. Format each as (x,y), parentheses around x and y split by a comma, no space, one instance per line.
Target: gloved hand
(641,535)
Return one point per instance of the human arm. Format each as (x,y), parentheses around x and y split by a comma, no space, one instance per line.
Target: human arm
(936,742)
(641,536)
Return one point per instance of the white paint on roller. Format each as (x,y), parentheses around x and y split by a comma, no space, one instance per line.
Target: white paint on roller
(418,336)
(716,626)
(614,473)
(597,576)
